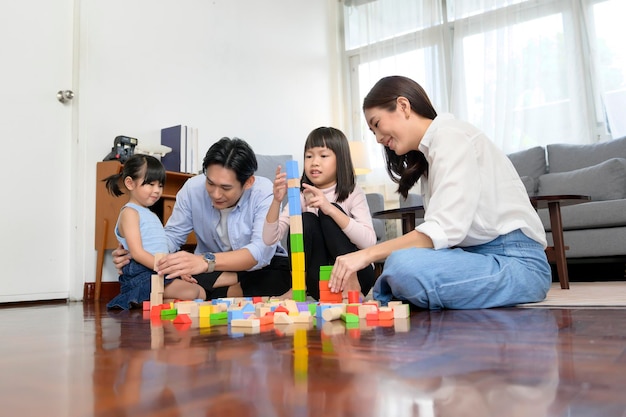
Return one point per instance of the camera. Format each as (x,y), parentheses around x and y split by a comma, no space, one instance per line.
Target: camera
(123,148)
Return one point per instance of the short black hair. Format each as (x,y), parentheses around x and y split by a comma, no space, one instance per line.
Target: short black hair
(233,154)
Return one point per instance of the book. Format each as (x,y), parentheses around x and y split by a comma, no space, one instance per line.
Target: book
(175,137)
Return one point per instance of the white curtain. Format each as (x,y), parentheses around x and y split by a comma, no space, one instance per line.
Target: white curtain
(527,72)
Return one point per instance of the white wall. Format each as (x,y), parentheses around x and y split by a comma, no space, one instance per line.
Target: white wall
(267,71)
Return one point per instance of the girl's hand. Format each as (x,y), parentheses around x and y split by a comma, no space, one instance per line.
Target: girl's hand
(280,185)
(346,266)
(189,278)
(315,198)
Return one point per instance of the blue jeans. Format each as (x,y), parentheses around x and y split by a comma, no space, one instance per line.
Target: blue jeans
(509,270)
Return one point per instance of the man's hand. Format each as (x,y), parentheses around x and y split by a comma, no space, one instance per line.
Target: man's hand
(181,264)
(121,257)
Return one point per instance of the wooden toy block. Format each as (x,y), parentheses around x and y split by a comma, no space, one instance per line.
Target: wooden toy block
(401,311)
(298,279)
(261,310)
(245,323)
(299,295)
(282,318)
(156,298)
(402,325)
(293,183)
(325,272)
(205,311)
(349,318)
(332,297)
(353,309)
(295,224)
(204,322)
(354,297)
(364,309)
(265,320)
(168,312)
(157,284)
(291,307)
(292,169)
(385,313)
(332,313)
(157,258)
(297,261)
(302,318)
(296,243)
(256,300)
(222,315)
(392,304)
(372,316)
(323,286)
(182,319)
(295,208)
(145,305)
(281,309)
(186,307)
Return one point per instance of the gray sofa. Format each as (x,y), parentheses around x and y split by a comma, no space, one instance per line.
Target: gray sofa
(596,229)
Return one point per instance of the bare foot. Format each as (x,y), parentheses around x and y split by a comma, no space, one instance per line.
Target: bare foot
(286,296)
(235,291)
(352,284)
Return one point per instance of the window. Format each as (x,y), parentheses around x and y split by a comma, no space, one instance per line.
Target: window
(527,72)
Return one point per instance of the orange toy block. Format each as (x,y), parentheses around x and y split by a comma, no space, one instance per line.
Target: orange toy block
(385,313)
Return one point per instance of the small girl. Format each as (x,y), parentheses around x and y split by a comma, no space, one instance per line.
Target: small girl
(140,231)
(335,216)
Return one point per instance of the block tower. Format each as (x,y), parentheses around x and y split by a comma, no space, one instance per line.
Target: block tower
(298,285)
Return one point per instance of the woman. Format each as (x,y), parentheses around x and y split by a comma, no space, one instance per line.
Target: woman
(481,244)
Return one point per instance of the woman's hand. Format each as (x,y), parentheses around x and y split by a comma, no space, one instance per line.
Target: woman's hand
(280,185)
(315,198)
(346,266)
(181,264)
(121,257)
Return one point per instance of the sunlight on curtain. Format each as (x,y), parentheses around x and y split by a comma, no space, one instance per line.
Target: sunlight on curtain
(610,62)
(527,72)
(515,80)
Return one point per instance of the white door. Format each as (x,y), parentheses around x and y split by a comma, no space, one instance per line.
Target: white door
(36,158)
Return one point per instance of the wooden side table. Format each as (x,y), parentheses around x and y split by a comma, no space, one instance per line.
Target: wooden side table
(406,214)
(556,253)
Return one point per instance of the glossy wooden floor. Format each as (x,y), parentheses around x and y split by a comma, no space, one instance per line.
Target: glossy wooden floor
(80,360)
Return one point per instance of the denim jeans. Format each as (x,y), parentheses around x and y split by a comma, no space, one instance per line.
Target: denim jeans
(509,270)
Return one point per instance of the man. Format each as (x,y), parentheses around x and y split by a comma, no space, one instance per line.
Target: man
(225,208)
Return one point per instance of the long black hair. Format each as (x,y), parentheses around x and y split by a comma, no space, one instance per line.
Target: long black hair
(405,170)
(336,141)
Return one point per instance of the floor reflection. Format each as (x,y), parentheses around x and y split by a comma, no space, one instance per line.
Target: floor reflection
(447,363)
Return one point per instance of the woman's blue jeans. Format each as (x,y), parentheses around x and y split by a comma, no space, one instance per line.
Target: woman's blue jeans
(509,270)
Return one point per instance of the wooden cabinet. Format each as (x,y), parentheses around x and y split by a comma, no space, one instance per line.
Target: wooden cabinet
(108,208)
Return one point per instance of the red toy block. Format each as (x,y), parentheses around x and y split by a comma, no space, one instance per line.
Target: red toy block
(182,319)
(354,297)
(281,309)
(146,305)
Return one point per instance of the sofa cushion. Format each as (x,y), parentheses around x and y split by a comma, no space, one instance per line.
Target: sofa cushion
(604,181)
(530,162)
(566,157)
(530,184)
(591,215)
(268,163)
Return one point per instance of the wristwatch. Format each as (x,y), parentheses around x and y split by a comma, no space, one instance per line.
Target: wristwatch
(210,260)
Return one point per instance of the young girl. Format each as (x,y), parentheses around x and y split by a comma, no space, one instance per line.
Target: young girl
(140,231)
(481,243)
(335,216)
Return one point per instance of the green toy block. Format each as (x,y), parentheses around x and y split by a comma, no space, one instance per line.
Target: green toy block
(325,272)
(296,242)
(349,318)
(299,295)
